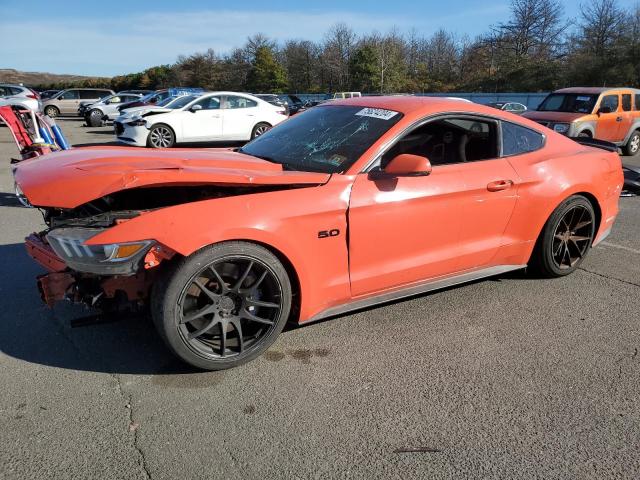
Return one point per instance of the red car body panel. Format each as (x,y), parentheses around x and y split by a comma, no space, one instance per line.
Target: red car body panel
(393,232)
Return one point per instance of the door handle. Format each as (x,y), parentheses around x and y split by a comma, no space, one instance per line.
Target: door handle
(498,185)
(618,119)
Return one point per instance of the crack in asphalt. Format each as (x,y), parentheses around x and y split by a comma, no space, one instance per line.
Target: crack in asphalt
(609,277)
(142,460)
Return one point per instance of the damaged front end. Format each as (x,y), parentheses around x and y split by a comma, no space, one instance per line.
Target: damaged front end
(112,278)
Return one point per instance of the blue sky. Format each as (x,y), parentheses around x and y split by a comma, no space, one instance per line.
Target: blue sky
(115,37)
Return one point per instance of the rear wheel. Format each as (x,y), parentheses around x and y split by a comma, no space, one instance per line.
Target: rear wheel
(259,129)
(222,306)
(633,145)
(585,134)
(51,111)
(95,118)
(161,136)
(565,239)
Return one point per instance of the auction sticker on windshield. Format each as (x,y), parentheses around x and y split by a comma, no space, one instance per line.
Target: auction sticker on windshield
(377,113)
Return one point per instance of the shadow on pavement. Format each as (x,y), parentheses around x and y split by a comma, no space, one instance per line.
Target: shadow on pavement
(31,332)
(9,200)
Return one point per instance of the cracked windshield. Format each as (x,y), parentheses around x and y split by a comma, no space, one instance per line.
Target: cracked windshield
(328,139)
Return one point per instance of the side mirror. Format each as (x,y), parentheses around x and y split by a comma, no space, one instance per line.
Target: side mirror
(602,110)
(195,108)
(408,165)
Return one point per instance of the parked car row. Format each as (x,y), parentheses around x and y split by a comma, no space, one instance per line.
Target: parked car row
(212,116)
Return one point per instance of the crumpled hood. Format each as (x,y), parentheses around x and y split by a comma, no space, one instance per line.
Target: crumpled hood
(73,177)
(565,117)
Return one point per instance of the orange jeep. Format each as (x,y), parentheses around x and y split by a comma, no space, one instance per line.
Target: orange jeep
(611,114)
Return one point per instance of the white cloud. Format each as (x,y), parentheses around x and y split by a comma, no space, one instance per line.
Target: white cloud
(117,45)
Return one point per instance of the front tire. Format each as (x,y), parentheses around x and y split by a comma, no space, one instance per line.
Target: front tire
(259,129)
(161,136)
(222,306)
(51,111)
(633,145)
(566,238)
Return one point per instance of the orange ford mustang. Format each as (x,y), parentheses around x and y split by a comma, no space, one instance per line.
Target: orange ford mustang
(349,204)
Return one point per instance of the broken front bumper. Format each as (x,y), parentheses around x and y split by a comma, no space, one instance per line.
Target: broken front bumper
(61,283)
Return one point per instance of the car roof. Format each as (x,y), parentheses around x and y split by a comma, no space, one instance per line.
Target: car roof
(410,104)
(593,90)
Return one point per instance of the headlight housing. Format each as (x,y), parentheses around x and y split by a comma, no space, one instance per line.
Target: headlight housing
(138,122)
(22,198)
(110,259)
(561,127)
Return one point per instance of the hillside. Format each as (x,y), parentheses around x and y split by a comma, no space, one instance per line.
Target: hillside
(10,75)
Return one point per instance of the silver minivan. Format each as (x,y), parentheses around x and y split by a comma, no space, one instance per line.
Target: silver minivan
(67,101)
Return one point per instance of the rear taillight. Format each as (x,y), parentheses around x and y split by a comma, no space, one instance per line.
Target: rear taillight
(34,96)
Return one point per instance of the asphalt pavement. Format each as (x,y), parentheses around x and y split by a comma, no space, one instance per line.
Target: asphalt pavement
(511,377)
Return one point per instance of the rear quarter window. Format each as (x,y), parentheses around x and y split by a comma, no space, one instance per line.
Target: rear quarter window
(626,102)
(517,139)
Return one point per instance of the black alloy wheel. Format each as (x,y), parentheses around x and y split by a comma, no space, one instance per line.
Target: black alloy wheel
(229,309)
(566,238)
(572,237)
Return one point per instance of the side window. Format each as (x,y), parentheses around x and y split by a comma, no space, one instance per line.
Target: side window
(211,103)
(517,140)
(626,102)
(637,101)
(115,100)
(449,140)
(88,94)
(610,101)
(240,102)
(70,95)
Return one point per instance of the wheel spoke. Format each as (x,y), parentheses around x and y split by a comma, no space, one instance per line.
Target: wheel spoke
(223,285)
(582,225)
(260,303)
(212,323)
(255,284)
(579,238)
(241,280)
(253,318)
(206,291)
(197,314)
(237,325)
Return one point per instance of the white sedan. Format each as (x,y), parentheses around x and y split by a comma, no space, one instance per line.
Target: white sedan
(213,116)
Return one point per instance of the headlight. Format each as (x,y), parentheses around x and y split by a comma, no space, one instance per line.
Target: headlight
(111,259)
(137,122)
(22,197)
(561,127)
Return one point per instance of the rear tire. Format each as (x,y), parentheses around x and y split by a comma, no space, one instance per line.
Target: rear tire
(161,136)
(94,119)
(585,134)
(633,145)
(565,239)
(51,111)
(222,306)
(259,129)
